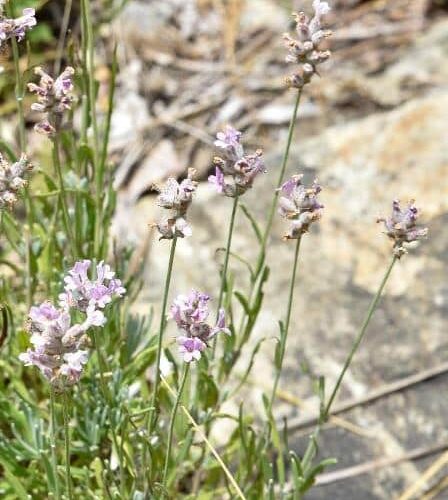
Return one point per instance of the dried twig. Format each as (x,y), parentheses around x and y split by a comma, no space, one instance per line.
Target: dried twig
(367,467)
(431,471)
(385,390)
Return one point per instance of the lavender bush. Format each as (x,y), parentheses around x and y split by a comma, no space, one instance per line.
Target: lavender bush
(93,394)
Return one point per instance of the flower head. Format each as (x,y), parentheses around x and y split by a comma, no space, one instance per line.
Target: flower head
(12,179)
(176,197)
(17,28)
(229,141)
(299,204)
(190,312)
(54,97)
(87,294)
(236,172)
(190,348)
(55,342)
(59,344)
(402,226)
(305,50)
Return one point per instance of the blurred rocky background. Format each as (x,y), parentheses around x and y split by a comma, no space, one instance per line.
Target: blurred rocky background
(372,128)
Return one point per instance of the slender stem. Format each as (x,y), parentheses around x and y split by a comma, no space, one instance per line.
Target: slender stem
(172,421)
(68,477)
(54,458)
(257,281)
(226,264)
(203,436)
(98,166)
(63,194)
(62,36)
(19,94)
(161,330)
(360,336)
(292,125)
(311,448)
(284,334)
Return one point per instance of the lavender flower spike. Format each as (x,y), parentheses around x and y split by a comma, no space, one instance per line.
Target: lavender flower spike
(402,227)
(299,205)
(55,340)
(54,97)
(176,198)
(17,28)
(12,180)
(84,293)
(190,313)
(236,172)
(305,51)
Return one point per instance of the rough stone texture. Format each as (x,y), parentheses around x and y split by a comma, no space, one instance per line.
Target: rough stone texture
(363,165)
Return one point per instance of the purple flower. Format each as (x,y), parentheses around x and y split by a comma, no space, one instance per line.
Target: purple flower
(37,357)
(217,181)
(74,363)
(54,97)
(58,344)
(236,172)
(171,228)
(176,197)
(17,28)
(12,180)
(402,226)
(55,340)
(190,309)
(305,51)
(220,326)
(191,348)
(83,293)
(300,205)
(229,141)
(191,313)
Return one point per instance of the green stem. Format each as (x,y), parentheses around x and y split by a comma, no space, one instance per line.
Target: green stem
(160,336)
(68,477)
(257,281)
(267,231)
(19,94)
(226,265)
(311,448)
(62,36)
(88,50)
(172,421)
(54,458)
(284,334)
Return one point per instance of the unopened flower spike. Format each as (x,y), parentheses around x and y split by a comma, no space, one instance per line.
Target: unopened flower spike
(305,51)
(236,171)
(54,97)
(16,28)
(299,205)
(190,312)
(12,180)
(176,198)
(401,226)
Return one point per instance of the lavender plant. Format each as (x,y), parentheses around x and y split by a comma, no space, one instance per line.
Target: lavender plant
(113,386)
